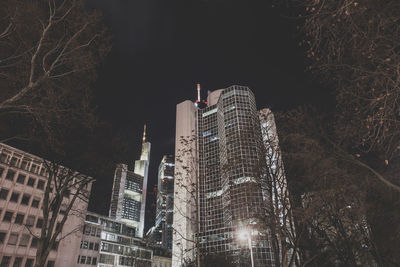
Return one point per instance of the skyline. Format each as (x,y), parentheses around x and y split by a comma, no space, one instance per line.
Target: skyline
(162,49)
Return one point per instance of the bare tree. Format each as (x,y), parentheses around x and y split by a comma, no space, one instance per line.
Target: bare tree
(278,211)
(353,47)
(186,189)
(65,196)
(331,197)
(48,54)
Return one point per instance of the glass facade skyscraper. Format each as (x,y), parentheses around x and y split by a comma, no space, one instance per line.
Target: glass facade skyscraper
(226,142)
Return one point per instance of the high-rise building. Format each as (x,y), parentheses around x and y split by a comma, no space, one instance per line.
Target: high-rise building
(23,181)
(219,170)
(162,233)
(128,197)
(142,169)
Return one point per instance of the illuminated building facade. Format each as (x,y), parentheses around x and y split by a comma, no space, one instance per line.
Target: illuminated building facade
(162,234)
(128,198)
(223,160)
(108,242)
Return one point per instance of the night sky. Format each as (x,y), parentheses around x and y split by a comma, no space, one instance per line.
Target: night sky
(162,48)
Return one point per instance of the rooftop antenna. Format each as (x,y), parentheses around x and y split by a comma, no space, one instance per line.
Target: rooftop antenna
(198,93)
(144,134)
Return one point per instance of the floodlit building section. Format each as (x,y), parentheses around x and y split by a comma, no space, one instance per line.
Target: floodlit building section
(185,155)
(23,179)
(107,243)
(162,233)
(226,167)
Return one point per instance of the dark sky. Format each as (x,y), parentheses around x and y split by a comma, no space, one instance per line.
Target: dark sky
(162,48)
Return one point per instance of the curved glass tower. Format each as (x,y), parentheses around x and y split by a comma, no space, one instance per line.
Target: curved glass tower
(230,168)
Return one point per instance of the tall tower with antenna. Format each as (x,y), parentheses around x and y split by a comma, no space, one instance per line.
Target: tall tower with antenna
(142,169)
(128,198)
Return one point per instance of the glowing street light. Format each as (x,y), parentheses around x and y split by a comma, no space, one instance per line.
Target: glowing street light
(245,234)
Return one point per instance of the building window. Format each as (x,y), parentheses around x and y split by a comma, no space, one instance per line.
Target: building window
(13,239)
(7,216)
(29,262)
(83,259)
(21,179)
(91,246)
(40,185)
(96,246)
(24,241)
(17,262)
(89,260)
(50,264)
(14,197)
(31,182)
(2,237)
(39,223)
(25,199)
(85,244)
(3,193)
(6,261)
(54,246)
(35,203)
(30,221)
(1,171)
(19,219)
(34,242)
(94,261)
(10,175)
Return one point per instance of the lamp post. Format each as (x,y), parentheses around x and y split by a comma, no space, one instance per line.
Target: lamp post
(245,234)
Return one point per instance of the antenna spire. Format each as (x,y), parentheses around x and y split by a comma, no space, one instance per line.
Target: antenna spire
(198,93)
(144,134)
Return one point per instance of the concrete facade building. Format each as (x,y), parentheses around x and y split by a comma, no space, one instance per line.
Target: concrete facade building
(128,198)
(219,172)
(23,179)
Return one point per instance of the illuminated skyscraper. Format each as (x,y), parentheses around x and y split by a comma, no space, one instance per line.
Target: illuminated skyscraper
(220,158)
(128,199)
(165,203)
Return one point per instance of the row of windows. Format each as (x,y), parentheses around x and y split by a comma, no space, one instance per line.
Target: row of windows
(19,262)
(91,230)
(89,245)
(29,222)
(25,164)
(87,260)
(15,197)
(21,179)
(23,240)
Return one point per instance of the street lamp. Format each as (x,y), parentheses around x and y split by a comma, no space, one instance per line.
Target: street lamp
(245,234)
